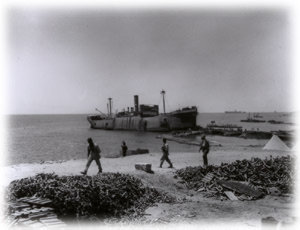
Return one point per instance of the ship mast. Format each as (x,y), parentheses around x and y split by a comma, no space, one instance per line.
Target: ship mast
(163,94)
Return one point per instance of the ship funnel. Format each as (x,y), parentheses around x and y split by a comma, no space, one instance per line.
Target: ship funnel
(136,103)
(109,105)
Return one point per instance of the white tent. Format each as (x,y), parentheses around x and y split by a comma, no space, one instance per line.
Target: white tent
(275,143)
(296,147)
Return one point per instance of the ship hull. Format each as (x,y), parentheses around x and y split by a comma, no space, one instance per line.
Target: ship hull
(160,123)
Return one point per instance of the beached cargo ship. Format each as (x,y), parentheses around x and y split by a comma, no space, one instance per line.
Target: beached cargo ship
(145,118)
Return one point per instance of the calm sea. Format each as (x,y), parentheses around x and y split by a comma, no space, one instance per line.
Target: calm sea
(35,138)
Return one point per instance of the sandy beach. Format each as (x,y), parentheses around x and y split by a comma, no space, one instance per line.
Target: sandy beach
(126,164)
(195,207)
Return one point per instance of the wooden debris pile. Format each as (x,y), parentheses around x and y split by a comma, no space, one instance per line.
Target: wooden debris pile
(248,179)
(31,212)
(107,194)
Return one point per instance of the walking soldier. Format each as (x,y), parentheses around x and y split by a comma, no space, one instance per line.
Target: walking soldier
(204,146)
(165,156)
(93,154)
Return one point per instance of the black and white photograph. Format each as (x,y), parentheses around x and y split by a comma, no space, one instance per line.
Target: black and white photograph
(171,116)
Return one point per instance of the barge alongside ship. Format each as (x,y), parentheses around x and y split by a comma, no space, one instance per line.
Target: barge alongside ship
(145,118)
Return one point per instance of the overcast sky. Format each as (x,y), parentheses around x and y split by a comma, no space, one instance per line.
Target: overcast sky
(71,61)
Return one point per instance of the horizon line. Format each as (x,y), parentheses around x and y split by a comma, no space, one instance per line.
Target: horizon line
(15,114)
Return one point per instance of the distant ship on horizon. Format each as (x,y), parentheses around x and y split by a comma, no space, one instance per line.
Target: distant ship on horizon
(251,119)
(235,111)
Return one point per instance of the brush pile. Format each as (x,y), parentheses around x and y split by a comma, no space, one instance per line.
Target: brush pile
(107,194)
(266,176)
